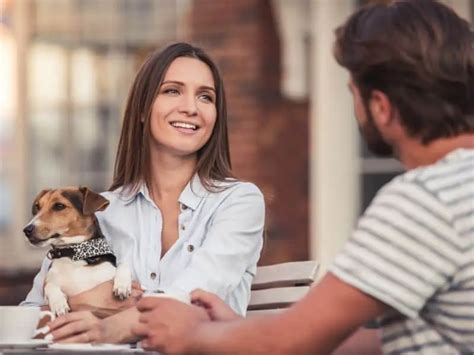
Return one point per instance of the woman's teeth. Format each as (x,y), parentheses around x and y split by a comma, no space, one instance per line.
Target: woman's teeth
(184,125)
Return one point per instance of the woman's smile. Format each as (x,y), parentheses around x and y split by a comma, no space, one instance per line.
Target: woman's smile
(185,127)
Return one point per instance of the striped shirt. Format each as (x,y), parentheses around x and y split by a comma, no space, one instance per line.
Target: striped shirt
(413,249)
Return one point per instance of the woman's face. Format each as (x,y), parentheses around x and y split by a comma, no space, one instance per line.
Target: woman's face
(184,112)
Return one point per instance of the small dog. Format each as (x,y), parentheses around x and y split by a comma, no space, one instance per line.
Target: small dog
(81,259)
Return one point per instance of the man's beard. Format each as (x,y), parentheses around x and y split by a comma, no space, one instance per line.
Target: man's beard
(372,136)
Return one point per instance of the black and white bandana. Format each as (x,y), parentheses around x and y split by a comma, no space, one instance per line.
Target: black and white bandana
(82,251)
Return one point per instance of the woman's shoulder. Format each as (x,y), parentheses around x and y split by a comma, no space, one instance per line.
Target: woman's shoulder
(234,186)
(237,191)
(119,196)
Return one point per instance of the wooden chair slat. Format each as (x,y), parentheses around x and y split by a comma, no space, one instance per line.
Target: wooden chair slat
(280,297)
(264,312)
(285,274)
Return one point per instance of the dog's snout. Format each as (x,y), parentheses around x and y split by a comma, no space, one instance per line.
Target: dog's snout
(29,229)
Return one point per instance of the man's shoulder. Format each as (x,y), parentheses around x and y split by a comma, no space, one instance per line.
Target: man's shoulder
(456,166)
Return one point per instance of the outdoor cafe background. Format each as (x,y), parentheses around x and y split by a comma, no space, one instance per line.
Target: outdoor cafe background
(65,70)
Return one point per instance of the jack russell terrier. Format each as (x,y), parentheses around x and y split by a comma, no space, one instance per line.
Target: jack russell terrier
(81,258)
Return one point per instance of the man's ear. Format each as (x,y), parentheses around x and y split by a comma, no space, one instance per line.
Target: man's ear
(34,208)
(93,201)
(381,108)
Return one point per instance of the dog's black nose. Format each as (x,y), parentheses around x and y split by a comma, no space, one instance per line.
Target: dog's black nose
(29,229)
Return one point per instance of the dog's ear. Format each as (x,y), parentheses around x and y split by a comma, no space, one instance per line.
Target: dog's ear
(35,207)
(93,201)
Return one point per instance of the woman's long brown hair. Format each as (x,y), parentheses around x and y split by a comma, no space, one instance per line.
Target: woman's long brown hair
(132,164)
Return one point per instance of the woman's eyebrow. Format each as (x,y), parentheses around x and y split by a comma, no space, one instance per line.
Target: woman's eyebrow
(180,83)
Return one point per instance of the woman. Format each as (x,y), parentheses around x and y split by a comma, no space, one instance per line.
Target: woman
(177,215)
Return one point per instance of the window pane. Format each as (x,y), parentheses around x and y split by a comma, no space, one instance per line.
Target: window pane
(46,151)
(84,77)
(47,73)
(8,102)
(371,183)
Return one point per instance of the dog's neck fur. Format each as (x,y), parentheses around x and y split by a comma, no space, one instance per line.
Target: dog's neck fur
(101,252)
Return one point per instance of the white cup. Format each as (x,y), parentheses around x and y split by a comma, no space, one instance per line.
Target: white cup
(180,296)
(18,323)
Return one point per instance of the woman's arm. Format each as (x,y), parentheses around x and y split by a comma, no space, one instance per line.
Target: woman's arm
(84,327)
(101,301)
(85,323)
(36,295)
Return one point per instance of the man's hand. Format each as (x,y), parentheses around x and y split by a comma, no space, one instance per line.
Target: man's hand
(101,302)
(166,324)
(216,308)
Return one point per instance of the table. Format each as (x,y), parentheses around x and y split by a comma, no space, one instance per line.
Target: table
(45,350)
(68,352)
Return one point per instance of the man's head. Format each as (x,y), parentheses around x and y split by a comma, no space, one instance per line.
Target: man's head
(418,56)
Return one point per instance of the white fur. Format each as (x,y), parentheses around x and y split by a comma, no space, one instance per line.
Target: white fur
(67,278)
(56,299)
(123,282)
(69,240)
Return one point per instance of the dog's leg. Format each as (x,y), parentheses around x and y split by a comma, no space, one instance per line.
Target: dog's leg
(53,293)
(56,299)
(123,281)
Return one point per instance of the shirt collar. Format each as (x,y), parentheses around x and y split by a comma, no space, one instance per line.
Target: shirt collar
(460,153)
(192,194)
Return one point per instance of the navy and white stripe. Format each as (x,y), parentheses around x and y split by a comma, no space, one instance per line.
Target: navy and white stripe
(413,249)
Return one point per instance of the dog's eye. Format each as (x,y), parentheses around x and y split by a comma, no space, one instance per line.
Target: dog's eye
(58,206)
(36,208)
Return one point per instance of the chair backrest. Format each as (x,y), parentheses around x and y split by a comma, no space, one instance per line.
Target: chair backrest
(278,286)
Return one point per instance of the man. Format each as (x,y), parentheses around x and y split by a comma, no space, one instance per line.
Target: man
(410,261)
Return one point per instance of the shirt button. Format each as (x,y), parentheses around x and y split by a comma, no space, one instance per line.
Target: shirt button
(153,275)
(184,207)
(183,227)
(190,248)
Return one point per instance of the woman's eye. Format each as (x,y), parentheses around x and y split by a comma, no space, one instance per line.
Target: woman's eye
(206,97)
(170,91)
(58,206)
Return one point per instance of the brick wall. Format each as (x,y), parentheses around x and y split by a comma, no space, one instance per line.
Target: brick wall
(268,134)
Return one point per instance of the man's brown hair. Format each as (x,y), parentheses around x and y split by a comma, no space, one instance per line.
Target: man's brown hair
(132,165)
(420,53)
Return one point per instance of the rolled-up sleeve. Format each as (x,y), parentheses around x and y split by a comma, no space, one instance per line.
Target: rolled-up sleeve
(231,247)
(36,295)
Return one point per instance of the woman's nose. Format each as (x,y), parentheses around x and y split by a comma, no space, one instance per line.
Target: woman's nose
(188,105)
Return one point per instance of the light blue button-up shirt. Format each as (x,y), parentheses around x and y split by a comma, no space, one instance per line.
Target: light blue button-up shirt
(219,244)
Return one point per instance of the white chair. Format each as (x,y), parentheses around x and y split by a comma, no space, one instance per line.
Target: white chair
(278,286)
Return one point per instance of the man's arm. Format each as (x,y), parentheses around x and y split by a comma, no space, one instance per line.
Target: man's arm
(330,312)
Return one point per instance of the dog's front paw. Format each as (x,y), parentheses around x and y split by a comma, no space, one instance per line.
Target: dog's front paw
(58,305)
(122,283)
(122,290)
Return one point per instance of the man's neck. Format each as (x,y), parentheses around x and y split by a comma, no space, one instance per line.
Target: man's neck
(413,154)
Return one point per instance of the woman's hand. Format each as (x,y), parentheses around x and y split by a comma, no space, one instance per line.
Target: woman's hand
(100,300)
(77,327)
(216,308)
